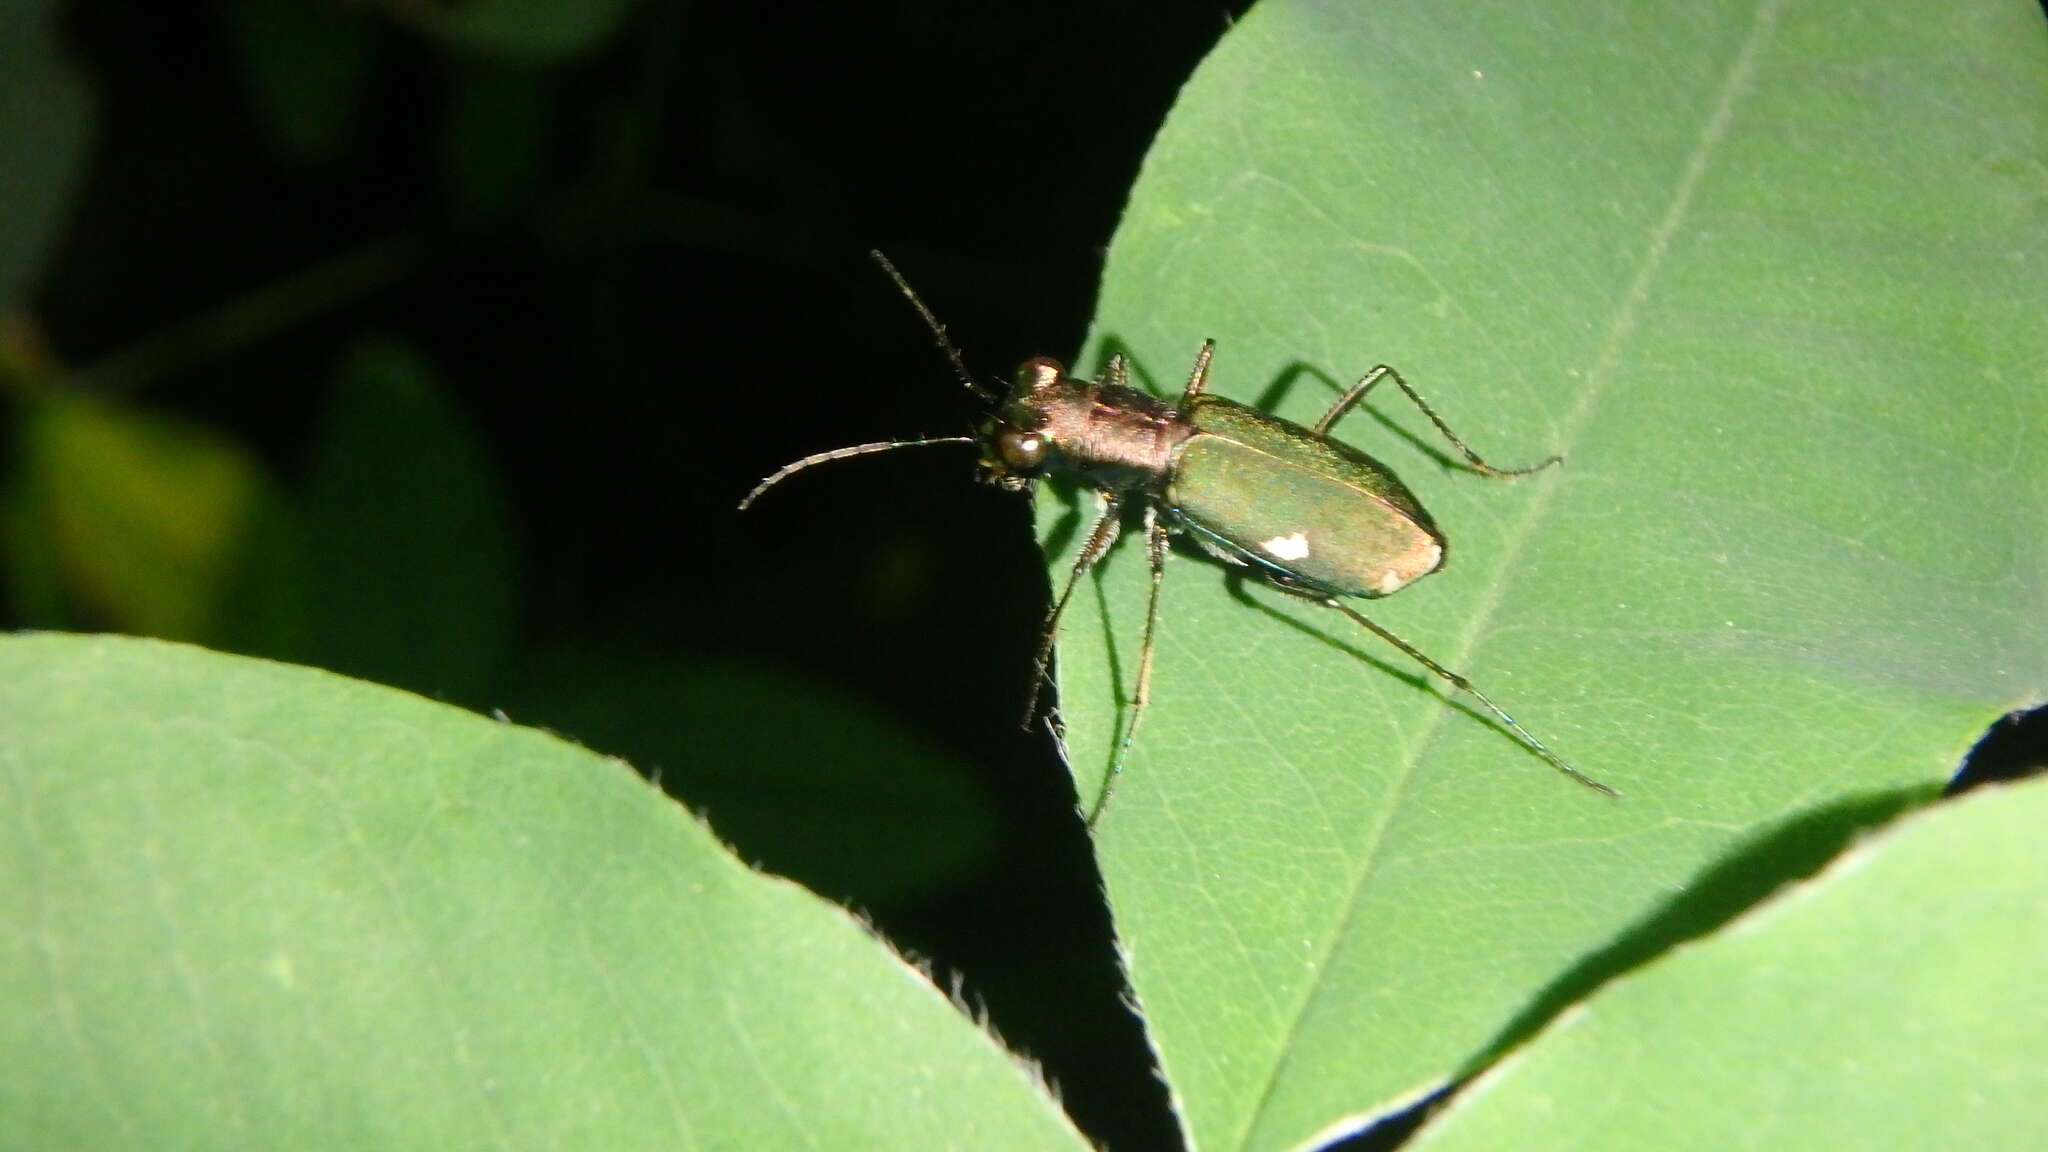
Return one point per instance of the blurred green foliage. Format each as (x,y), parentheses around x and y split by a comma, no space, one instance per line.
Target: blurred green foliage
(392,552)
(122,516)
(431,342)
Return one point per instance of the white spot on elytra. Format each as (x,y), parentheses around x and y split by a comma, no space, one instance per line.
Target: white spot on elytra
(1292,547)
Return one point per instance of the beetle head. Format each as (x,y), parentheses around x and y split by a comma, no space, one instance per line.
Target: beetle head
(1017,443)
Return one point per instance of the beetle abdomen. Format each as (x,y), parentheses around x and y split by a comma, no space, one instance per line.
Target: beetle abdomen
(1318,511)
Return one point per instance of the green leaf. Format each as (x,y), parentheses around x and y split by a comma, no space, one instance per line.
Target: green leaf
(44,117)
(1891,1003)
(410,540)
(244,904)
(524,29)
(306,65)
(1769,278)
(134,518)
(272,607)
(494,145)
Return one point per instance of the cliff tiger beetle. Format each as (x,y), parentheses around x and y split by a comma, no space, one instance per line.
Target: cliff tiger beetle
(1310,515)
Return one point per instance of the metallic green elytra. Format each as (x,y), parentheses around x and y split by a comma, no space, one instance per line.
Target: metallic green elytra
(1319,511)
(1309,514)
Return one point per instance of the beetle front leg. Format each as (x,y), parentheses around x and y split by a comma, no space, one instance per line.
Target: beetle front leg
(1365,384)
(1107,525)
(1117,371)
(1155,555)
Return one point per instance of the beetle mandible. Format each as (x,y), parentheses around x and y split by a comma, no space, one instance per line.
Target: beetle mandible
(1309,514)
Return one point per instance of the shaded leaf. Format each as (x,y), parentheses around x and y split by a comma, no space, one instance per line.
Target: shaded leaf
(500,122)
(796,777)
(531,29)
(409,537)
(44,119)
(307,64)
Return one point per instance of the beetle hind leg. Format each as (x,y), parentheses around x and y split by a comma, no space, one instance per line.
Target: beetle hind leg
(1365,384)
(1527,738)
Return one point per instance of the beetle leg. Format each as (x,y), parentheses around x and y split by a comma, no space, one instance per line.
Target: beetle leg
(1463,685)
(1100,537)
(1352,396)
(1365,384)
(1155,554)
(1198,379)
(1117,372)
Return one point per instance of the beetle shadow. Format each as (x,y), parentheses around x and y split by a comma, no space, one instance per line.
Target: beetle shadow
(1421,682)
(1064,530)
(1116,676)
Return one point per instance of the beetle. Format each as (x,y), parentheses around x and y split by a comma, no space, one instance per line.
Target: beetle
(1309,514)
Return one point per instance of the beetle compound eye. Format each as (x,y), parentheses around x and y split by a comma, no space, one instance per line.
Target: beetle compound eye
(1021,451)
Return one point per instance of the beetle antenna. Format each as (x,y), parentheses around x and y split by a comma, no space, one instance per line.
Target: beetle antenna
(791,469)
(938,329)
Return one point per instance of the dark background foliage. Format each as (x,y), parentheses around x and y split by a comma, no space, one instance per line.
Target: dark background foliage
(434,343)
